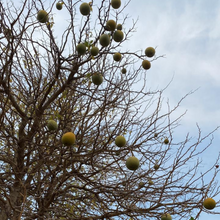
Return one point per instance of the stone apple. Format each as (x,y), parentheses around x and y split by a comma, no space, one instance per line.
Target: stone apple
(150,52)
(42,16)
(84,9)
(132,163)
(166,141)
(110,25)
(124,71)
(52,125)
(115,4)
(81,49)
(166,216)
(59,5)
(68,138)
(117,57)
(94,51)
(146,64)
(97,79)
(119,27)
(209,203)
(104,40)
(118,36)
(120,141)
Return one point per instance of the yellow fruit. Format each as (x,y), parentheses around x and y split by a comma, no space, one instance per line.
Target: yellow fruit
(117,57)
(166,141)
(118,36)
(132,163)
(97,79)
(120,141)
(81,49)
(209,203)
(59,5)
(166,217)
(116,4)
(42,16)
(150,182)
(123,71)
(52,125)
(110,25)
(119,27)
(84,9)
(68,139)
(150,52)
(104,40)
(94,51)
(146,64)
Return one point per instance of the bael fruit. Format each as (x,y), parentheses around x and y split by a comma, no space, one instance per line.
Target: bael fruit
(117,57)
(84,9)
(94,51)
(123,71)
(120,141)
(81,49)
(59,5)
(166,216)
(52,125)
(118,36)
(115,4)
(166,141)
(68,138)
(42,16)
(104,40)
(209,203)
(146,64)
(132,163)
(97,79)
(119,27)
(150,52)
(141,184)
(156,166)
(110,25)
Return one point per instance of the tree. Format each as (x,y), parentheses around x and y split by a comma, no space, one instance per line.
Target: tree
(47,77)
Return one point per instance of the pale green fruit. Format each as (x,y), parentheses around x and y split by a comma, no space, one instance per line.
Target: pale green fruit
(68,138)
(110,25)
(146,64)
(119,27)
(141,184)
(94,51)
(116,4)
(52,125)
(118,36)
(117,57)
(97,79)
(81,49)
(156,166)
(104,40)
(42,16)
(166,216)
(120,141)
(84,9)
(150,52)
(132,163)
(59,5)
(150,182)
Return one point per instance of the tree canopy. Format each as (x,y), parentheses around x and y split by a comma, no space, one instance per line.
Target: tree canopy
(82,136)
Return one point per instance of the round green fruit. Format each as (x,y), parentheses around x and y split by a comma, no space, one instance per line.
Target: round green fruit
(42,16)
(84,9)
(81,49)
(110,25)
(141,184)
(132,163)
(118,36)
(166,216)
(94,51)
(150,182)
(97,79)
(156,166)
(146,64)
(120,141)
(117,57)
(104,40)
(59,5)
(52,125)
(124,71)
(119,27)
(116,4)
(150,52)
(209,203)
(68,138)
(166,141)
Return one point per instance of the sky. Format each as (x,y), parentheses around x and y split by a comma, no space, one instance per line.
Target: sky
(187,32)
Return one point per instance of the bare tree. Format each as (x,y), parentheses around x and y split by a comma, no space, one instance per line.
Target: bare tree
(44,77)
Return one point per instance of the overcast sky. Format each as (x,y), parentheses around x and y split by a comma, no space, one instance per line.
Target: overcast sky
(188,33)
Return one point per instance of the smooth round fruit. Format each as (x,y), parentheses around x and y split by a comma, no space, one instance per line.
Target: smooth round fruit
(94,51)
(141,184)
(59,5)
(52,125)
(150,182)
(110,25)
(166,216)
(150,52)
(120,141)
(166,141)
(123,71)
(116,4)
(156,166)
(42,16)
(119,27)
(209,203)
(68,138)
(84,8)
(118,36)
(81,49)
(132,163)
(97,79)
(117,57)
(104,40)
(146,64)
